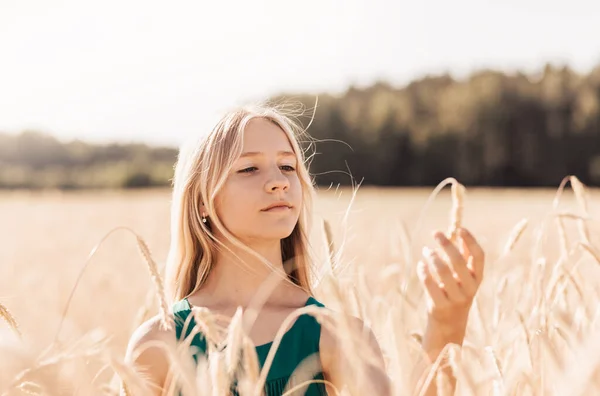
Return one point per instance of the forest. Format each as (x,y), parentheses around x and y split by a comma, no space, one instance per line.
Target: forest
(489,129)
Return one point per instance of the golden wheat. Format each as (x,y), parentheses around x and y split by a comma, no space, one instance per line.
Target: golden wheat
(234,343)
(515,235)
(31,388)
(10,319)
(330,249)
(444,388)
(591,251)
(456,213)
(533,330)
(581,196)
(165,318)
(131,383)
(251,367)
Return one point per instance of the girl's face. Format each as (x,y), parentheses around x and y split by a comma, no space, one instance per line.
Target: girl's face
(263,176)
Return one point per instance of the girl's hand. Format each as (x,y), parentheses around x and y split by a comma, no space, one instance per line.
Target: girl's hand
(451,277)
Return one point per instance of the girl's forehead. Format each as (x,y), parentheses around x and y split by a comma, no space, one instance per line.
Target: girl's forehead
(264,135)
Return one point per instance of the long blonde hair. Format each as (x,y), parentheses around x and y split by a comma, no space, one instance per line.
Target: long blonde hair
(200,173)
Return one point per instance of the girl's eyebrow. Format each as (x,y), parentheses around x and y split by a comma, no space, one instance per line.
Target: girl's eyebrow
(260,153)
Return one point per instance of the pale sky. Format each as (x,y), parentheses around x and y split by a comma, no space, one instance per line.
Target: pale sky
(159,72)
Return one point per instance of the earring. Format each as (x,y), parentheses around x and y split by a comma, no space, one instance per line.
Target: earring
(204,219)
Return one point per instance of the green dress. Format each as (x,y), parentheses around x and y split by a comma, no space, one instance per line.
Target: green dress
(299,342)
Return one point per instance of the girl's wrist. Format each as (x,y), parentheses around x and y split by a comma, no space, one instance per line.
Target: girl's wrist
(438,334)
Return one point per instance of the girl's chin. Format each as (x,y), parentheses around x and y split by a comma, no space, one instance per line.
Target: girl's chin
(275,234)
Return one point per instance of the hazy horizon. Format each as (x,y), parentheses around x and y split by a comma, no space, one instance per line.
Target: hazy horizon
(144,72)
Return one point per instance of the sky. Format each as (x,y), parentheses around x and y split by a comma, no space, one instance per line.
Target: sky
(160,72)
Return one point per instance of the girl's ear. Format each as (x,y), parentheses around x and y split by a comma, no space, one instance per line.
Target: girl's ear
(203,212)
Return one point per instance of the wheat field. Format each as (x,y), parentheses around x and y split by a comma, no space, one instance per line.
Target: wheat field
(533,329)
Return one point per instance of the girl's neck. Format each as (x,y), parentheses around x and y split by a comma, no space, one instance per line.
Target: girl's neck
(237,275)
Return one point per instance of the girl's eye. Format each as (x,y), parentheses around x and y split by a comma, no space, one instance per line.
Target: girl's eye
(251,169)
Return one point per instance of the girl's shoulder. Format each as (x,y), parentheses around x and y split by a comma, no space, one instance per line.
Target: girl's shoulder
(153,329)
(149,344)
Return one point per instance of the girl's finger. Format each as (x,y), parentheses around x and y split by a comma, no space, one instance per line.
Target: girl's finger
(446,276)
(458,264)
(476,253)
(437,295)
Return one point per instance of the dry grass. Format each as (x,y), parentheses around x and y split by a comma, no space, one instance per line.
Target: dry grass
(9,318)
(534,328)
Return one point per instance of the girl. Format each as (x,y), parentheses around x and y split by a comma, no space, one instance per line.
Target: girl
(242,199)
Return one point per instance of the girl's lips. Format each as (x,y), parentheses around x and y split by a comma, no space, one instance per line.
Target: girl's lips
(277,209)
(278,204)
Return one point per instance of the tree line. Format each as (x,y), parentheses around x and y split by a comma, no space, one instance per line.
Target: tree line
(490,129)
(34,160)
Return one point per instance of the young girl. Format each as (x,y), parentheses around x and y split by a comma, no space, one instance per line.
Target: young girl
(241,205)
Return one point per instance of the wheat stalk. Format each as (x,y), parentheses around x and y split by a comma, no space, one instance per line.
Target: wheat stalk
(456,364)
(163,307)
(206,323)
(251,367)
(580,193)
(522,354)
(10,319)
(515,235)
(430,374)
(456,213)
(562,234)
(131,381)
(581,196)
(330,248)
(591,251)
(234,343)
(294,390)
(144,310)
(31,388)
(220,383)
(165,317)
(443,384)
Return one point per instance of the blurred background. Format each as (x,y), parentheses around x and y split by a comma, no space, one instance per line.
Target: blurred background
(494,93)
